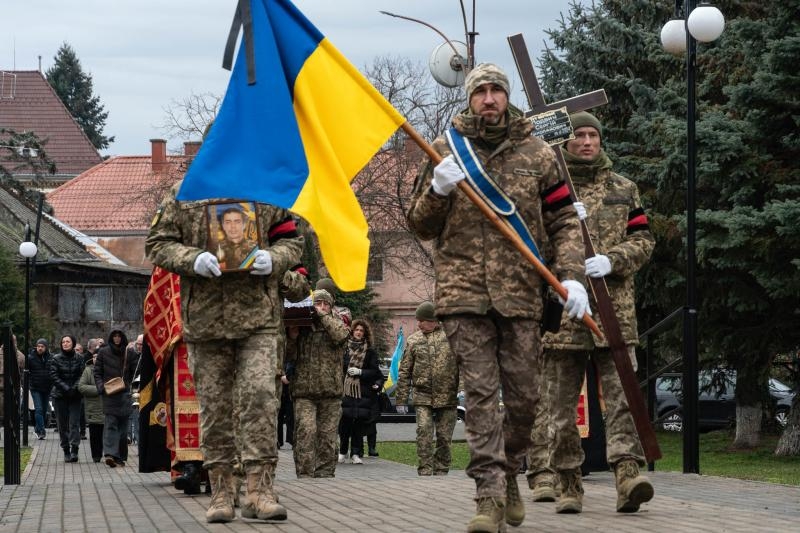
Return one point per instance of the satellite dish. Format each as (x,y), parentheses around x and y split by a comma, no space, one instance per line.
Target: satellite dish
(447,67)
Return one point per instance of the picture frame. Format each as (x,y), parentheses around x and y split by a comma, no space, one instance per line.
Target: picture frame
(233,234)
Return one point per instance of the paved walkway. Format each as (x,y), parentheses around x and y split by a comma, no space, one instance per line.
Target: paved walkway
(379,496)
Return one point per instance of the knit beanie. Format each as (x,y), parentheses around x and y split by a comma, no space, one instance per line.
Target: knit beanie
(42,341)
(584,119)
(485,73)
(425,311)
(321,295)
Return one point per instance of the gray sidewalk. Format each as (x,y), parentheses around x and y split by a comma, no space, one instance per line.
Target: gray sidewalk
(378,496)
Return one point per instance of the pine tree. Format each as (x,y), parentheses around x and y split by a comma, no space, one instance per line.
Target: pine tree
(12,286)
(748,185)
(74,87)
(24,154)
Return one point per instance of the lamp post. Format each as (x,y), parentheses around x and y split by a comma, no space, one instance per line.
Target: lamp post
(27,249)
(703,23)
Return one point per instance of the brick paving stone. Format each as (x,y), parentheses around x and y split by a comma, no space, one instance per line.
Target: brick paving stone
(378,496)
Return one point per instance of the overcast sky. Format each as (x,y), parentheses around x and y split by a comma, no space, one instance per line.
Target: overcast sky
(143,54)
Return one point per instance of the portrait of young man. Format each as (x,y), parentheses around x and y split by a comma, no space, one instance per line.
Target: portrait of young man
(231,238)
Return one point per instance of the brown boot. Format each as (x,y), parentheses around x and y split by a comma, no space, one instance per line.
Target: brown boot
(260,501)
(490,516)
(515,508)
(571,499)
(632,489)
(544,486)
(221,507)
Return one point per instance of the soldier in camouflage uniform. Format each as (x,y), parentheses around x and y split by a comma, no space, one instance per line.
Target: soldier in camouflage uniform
(429,368)
(316,386)
(619,230)
(489,299)
(232,327)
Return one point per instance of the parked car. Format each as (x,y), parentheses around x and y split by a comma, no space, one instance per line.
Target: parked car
(389,411)
(717,401)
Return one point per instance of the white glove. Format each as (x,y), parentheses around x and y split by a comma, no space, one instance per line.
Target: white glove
(446,176)
(577,300)
(206,265)
(262,266)
(598,266)
(401,409)
(353,371)
(581,209)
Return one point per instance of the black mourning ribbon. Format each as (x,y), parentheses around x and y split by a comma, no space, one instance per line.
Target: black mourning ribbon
(242,18)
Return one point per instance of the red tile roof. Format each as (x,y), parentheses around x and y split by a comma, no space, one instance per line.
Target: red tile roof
(28,103)
(116,197)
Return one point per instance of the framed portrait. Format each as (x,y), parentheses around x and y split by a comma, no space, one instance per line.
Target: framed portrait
(233,234)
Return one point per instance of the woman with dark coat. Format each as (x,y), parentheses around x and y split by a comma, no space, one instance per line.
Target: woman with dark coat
(361,372)
(111,363)
(65,373)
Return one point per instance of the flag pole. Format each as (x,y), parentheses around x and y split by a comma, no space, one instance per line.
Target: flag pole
(501,226)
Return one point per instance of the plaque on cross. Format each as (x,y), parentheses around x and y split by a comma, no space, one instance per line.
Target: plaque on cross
(605,308)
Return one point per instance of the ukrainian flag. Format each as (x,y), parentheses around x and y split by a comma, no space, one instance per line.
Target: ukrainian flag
(394,368)
(298,136)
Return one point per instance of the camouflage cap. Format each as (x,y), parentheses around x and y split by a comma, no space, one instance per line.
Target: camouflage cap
(425,311)
(321,295)
(584,119)
(485,73)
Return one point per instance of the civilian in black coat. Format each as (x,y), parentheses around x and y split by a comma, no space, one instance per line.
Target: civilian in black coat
(361,372)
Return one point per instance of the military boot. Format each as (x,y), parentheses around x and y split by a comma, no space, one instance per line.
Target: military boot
(515,508)
(633,489)
(543,485)
(260,501)
(571,499)
(189,480)
(489,518)
(221,507)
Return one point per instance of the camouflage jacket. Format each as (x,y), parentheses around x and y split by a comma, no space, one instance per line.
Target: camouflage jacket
(618,228)
(317,358)
(235,304)
(476,267)
(429,367)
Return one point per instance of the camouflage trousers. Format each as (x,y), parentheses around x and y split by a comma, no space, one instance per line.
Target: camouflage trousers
(566,369)
(494,352)
(434,434)
(234,380)
(314,447)
(543,432)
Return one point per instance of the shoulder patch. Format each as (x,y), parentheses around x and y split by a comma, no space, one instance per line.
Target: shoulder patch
(157,216)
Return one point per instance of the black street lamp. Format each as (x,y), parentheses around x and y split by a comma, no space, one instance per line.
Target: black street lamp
(27,249)
(704,23)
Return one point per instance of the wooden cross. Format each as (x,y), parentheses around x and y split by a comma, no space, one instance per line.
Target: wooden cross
(608,318)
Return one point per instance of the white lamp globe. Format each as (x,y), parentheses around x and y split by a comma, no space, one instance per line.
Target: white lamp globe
(706,23)
(27,249)
(673,36)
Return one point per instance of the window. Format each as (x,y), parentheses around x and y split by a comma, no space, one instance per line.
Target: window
(98,303)
(375,268)
(70,304)
(128,304)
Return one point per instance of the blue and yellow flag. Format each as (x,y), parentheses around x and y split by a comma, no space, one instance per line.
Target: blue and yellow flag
(391,381)
(298,136)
